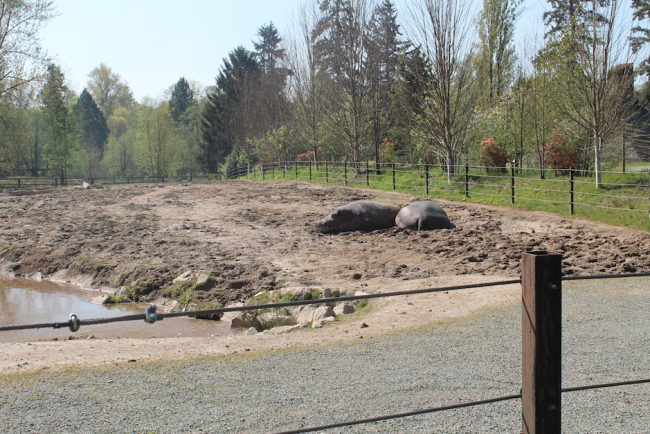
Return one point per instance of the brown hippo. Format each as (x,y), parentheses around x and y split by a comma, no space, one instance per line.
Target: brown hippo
(362,215)
(422,216)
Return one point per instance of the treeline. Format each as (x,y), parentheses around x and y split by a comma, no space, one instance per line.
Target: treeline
(354,80)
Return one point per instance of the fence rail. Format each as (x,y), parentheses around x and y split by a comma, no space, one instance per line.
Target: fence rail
(25,182)
(541,341)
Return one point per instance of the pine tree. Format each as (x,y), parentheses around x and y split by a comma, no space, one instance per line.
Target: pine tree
(59,123)
(571,16)
(93,131)
(641,35)
(182,98)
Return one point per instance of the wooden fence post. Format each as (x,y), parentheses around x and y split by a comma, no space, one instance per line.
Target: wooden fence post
(541,396)
(345,171)
(310,170)
(327,180)
(262,170)
(393,176)
(272,170)
(466,180)
(296,164)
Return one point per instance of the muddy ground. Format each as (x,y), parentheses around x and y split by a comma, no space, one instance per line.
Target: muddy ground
(253,236)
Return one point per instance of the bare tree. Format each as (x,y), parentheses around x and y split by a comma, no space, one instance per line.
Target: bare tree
(306,84)
(443,31)
(595,77)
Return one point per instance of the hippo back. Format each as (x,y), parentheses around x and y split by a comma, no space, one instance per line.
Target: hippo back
(423,216)
(359,215)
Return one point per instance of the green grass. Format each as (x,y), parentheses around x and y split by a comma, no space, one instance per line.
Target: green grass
(629,204)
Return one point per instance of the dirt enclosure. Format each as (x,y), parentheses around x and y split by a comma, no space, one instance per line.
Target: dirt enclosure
(253,236)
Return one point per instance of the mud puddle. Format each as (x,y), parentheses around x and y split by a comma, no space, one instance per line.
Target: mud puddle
(23,301)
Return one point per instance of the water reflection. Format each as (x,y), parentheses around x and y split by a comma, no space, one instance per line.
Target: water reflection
(24,301)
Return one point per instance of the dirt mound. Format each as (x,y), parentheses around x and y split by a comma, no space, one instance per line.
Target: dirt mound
(253,236)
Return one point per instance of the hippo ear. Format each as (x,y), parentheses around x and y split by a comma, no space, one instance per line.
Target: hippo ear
(339,212)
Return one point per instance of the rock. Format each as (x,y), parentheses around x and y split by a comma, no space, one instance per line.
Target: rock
(185,277)
(190,307)
(317,324)
(174,306)
(304,314)
(356,276)
(238,323)
(360,294)
(329,319)
(327,293)
(343,309)
(322,312)
(285,329)
(336,293)
(268,316)
(251,332)
(299,294)
(120,291)
(202,279)
(85,185)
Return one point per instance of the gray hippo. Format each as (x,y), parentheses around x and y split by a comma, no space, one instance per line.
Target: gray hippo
(362,215)
(423,215)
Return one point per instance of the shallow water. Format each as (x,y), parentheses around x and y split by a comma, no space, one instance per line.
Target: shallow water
(24,301)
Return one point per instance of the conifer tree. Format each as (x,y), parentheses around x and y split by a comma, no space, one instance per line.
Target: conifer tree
(182,98)
(93,131)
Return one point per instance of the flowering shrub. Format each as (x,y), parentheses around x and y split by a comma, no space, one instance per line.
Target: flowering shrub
(493,156)
(309,156)
(560,155)
(386,151)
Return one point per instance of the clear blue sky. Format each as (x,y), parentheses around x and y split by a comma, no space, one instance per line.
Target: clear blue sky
(152,43)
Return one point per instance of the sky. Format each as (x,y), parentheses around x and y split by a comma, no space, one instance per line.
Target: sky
(152,43)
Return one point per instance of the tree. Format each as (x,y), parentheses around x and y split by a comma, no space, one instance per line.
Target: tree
(155,140)
(641,35)
(182,98)
(120,148)
(92,130)
(21,59)
(59,122)
(342,37)
(594,78)
(384,51)
(307,81)
(496,53)
(273,76)
(214,146)
(445,119)
(572,15)
(108,89)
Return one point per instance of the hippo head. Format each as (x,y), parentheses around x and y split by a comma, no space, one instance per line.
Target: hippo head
(339,220)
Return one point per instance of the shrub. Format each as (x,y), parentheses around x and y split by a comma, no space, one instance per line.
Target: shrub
(213,304)
(560,155)
(253,318)
(386,149)
(493,156)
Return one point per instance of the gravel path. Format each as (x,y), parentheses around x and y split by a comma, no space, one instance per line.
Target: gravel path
(606,337)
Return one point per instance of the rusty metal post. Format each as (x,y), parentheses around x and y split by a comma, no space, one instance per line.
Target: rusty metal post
(512,182)
(571,190)
(426,177)
(541,283)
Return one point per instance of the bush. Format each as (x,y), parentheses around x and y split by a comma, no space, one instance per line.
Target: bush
(254,318)
(212,316)
(493,156)
(560,155)
(386,154)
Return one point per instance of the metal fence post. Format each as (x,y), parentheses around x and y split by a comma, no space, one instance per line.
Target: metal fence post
(284,169)
(571,190)
(367,175)
(296,163)
(310,170)
(345,171)
(466,180)
(512,182)
(393,176)
(272,170)
(426,178)
(541,396)
(262,171)
(326,174)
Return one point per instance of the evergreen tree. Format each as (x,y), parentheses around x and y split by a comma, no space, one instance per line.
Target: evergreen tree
(59,123)
(571,15)
(641,35)
(182,98)
(93,131)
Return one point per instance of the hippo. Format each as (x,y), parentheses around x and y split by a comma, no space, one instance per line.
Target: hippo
(422,215)
(362,215)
